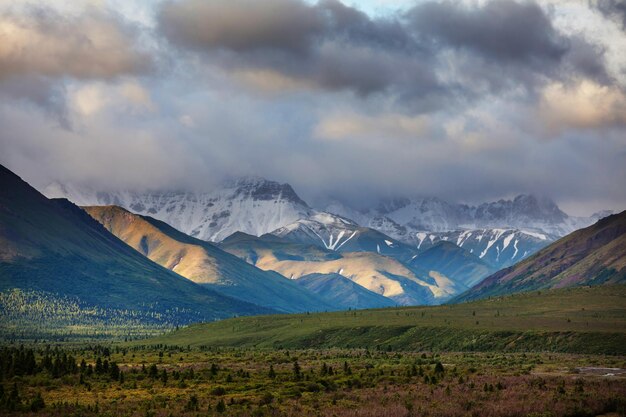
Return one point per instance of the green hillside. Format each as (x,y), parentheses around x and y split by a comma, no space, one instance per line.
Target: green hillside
(586,320)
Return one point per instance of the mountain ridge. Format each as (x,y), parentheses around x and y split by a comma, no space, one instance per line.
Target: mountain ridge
(205,263)
(590,256)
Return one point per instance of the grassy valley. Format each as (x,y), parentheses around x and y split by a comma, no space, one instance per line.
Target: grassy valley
(583,320)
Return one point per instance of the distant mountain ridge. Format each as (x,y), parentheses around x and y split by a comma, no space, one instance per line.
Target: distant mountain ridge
(500,233)
(403,218)
(257,206)
(497,247)
(591,256)
(343,235)
(250,205)
(383,275)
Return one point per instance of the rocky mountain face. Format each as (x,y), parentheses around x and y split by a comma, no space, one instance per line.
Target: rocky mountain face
(496,247)
(343,235)
(501,232)
(591,256)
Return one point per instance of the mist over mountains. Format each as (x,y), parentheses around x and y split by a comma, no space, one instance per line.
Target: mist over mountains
(214,214)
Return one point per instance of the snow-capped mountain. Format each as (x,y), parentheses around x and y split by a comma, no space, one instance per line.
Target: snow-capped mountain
(343,235)
(332,231)
(499,248)
(250,205)
(500,233)
(403,218)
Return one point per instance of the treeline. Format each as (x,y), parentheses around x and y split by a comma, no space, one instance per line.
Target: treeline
(21,361)
(37,315)
(54,363)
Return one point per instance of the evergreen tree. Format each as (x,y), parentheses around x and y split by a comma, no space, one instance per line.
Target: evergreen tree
(153,372)
(324,370)
(347,370)
(114,371)
(99,368)
(296,370)
(439,368)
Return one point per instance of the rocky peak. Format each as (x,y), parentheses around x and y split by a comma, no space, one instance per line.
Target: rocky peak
(262,189)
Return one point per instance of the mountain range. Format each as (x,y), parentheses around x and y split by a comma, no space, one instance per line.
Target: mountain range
(382,248)
(294,259)
(501,232)
(403,283)
(404,217)
(54,247)
(250,205)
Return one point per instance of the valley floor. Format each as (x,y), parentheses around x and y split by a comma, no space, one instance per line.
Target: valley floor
(181,381)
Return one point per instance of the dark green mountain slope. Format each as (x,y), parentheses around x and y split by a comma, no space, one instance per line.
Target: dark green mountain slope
(54,246)
(342,292)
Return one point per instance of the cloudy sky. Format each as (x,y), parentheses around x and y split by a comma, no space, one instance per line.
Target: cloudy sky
(465,100)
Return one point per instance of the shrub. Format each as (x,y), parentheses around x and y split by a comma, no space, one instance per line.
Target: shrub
(37,403)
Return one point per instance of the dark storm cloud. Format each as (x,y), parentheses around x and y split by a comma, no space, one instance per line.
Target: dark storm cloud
(329,44)
(587,59)
(241,25)
(500,45)
(504,30)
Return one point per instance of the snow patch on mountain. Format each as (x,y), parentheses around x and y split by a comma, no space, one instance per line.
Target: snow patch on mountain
(498,247)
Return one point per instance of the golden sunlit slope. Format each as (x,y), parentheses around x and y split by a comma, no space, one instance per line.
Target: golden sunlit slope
(204,263)
(380,274)
(190,261)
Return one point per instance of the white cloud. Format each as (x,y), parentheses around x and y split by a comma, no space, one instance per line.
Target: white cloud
(583,105)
